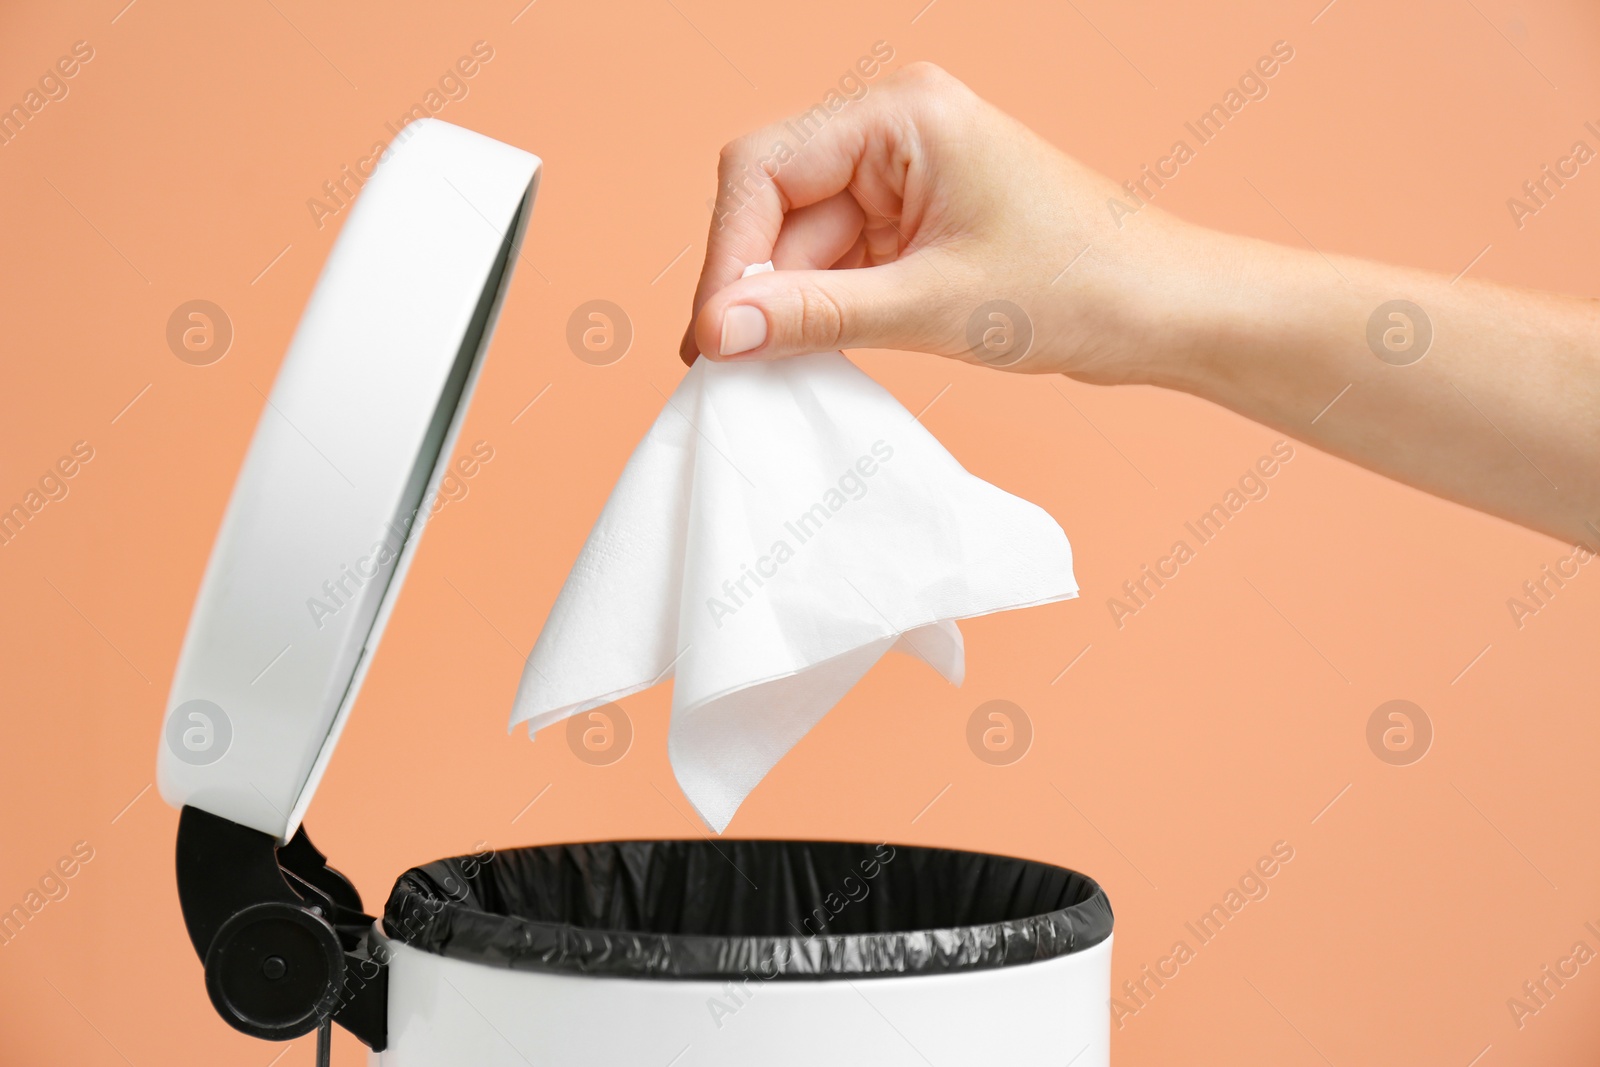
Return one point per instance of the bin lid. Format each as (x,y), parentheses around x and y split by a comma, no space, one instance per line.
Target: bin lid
(341,475)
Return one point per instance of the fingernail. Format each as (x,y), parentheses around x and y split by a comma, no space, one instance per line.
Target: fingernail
(743,328)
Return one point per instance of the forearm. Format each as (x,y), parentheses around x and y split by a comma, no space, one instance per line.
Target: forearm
(1500,413)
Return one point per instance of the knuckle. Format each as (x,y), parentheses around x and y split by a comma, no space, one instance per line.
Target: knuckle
(822,320)
(733,155)
(929,81)
(930,97)
(742,174)
(922,72)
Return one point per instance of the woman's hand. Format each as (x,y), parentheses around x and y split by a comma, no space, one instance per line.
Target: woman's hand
(963,232)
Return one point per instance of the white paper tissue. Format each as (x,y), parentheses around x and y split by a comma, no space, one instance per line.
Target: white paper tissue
(781,526)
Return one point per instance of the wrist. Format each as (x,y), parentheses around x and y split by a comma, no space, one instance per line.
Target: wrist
(1227,304)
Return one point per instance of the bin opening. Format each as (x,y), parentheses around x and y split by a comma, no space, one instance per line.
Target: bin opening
(769,909)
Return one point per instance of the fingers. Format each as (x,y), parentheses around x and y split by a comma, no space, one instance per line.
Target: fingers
(829,233)
(805,161)
(794,312)
(815,237)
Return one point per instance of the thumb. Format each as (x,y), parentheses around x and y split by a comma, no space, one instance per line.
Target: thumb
(795,312)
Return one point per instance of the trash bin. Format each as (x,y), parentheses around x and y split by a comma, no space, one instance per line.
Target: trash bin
(672,953)
(745,952)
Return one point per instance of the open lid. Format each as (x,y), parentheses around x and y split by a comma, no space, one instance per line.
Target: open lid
(341,476)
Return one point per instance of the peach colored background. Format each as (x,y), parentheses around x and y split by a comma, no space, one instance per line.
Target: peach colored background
(1171,755)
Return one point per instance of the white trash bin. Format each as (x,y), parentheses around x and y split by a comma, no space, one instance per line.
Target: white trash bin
(682,953)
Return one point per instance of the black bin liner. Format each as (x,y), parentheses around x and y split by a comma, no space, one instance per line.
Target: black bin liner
(720,909)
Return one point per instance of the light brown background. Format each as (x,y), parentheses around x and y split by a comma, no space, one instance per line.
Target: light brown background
(1175,752)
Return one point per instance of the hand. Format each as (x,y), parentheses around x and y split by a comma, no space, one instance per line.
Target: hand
(911,209)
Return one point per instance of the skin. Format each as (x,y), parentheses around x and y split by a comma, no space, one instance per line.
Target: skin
(920,202)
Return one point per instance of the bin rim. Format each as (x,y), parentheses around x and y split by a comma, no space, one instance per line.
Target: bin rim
(438,908)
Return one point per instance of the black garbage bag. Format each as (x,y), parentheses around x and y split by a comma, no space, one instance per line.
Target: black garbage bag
(716,909)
